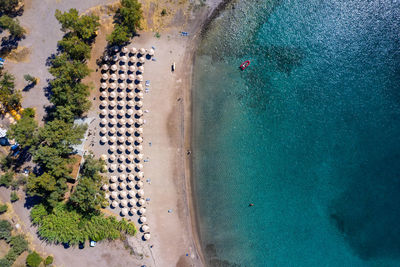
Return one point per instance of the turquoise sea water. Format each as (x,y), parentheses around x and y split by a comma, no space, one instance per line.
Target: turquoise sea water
(309,133)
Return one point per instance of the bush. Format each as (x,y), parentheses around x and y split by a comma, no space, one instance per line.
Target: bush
(6,179)
(3,208)
(33,259)
(49,260)
(12,26)
(5,230)
(13,196)
(164,12)
(18,244)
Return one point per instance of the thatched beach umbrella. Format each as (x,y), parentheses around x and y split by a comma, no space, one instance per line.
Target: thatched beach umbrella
(122,76)
(124,50)
(138,149)
(113,167)
(139,184)
(139,130)
(104,67)
(129,148)
(104,76)
(139,157)
(124,203)
(142,210)
(130,139)
(105,187)
(121,103)
(139,78)
(123,59)
(113,112)
(131,185)
(103,130)
(103,121)
(143,219)
(139,140)
(103,157)
(140,192)
(139,166)
(132,193)
(130,103)
(123,194)
(140,95)
(122,167)
(139,104)
(132,68)
(130,157)
(133,211)
(114,67)
(113,95)
(141,69)
(122,177)
(123,68)
(112,156)
(113,179)
(130,122)
(113,121)
(113,86)
(132,202)
(103,85)
(151,52)
(124,211)
(113,139)
(131,95)
(121,112)
(106,195)
(113,148)
(113,187)
(130,177)
(112,130)
(130,167)
(113,77)
(131,77)
(113,103)
(139,121)
(139,113)
(131,86)
(114,204)
(122,94)
(142,51)
(139,87)
(141,202)
(142,59)
(121,148)
(145,228)
(130,130)
(122,130)
(103,112)
(146,236)
(103,103)
(140,175)
(122,185)
(122,86)
(133,50)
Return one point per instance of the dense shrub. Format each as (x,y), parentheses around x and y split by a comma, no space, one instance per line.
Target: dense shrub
(5,230)
(12,25)
(3,208)
(5,179)
(33,259)
(49,260)
(13,196)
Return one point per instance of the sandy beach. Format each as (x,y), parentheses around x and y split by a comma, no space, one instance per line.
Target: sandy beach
(167,137)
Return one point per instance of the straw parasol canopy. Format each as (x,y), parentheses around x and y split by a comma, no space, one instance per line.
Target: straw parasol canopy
(122,167)
(130,122)
(124,202)
(122,76)
(139,121)
(103,103)
(132,202)
(139,157)
(132,68)
(130,95)
(146,236)
(123,68)
(130,103)
(139,77)
(121,139)
(131,77)
(139,166)
(113,95)
(132,193)
(139,148)
(130,167)
(133,211)
(130,130)
(124,211)
(131,177)
(122,122)
(103,112)
(112,130)
(103,130)
(121,94)
(140,175)
(105,187)
(139,87)
(130,157)
(140,95)
(139,113)
(106,195)
(113,112)
(129,148)
(113,148)
(112,156)
(121,112)
(122,177)
(140,192)
(141,69)
(122,86)
(142,51)
(124,50)
(122,130)
(114,67)
(113,139)
(130,139)
(139,130)
(124,59)
(121,103)
(121,148)
(113,76)
(151,52)
(113,103)
(139,104)
(142,60)
(103,157)
(141,202)
(113,178)
(113,187)
(103,85)
(113,167)
(133,50)
(114,204)
(139,184)
(145,228)
(123,194)
(122,185)
(113,85)
(143,219)
(104,67)
(131,86)
(131,185)
(142,210)
(104,76)
(103,121)
(113,121)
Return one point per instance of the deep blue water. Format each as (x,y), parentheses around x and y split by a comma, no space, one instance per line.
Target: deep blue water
(309,133)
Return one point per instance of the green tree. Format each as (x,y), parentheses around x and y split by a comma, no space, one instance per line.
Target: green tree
(84,26)
(33,259)
(42,185)
(49,260)
(75,47)
(12,25)
(130,14)
(13,196)
(119,35)
(18,244)
(68,71)
(9,96)
(3,208)
(8,6)
(30,78)
(6,179)
(24,131)
(5,230)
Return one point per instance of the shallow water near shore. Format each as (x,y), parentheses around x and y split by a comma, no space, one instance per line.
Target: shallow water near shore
(309,133)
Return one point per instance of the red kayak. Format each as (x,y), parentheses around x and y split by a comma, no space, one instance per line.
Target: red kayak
(245,64)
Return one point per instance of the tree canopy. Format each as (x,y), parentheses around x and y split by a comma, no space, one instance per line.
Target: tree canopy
(12,25)
(85,27)
(8,6)
(75,47)
(24,131)
(9,96)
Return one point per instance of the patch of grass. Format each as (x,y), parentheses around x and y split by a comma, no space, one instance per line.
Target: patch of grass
(157,35)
